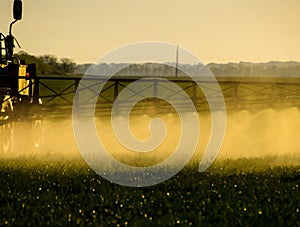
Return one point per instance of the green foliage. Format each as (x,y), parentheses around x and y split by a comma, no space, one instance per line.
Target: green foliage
(67,65)
(41,67)
(65,195)
(48,64)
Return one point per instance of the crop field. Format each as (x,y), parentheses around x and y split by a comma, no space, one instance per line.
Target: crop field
(253,182)
(244,192)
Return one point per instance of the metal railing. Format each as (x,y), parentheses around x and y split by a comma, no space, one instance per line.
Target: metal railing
(59,91)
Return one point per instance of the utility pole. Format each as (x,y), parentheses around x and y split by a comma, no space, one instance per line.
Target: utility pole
(176,69)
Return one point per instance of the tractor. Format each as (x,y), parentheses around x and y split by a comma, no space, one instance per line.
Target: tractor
(16,78)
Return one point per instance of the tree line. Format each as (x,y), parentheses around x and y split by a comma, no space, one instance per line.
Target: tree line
(49,64)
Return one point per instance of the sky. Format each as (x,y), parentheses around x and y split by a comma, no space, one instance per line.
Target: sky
(217,31)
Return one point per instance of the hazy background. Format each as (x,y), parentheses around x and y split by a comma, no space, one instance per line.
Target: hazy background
(216,31)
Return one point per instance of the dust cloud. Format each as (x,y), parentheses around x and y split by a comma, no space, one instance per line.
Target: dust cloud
(249,134)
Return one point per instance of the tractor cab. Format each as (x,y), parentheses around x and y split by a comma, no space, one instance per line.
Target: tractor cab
(16,78)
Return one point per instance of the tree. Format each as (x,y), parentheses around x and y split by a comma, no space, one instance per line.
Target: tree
(67,65)
(41,67)
(50,60)
(63,66)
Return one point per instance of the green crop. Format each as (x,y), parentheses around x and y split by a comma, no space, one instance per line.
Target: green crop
(65,194)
